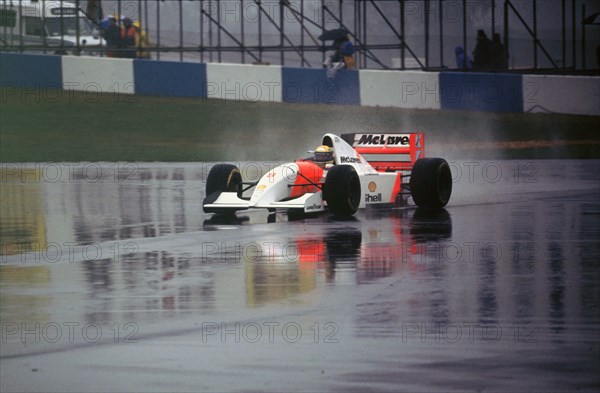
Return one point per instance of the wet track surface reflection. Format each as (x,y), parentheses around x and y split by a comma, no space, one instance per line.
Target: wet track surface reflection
(113,279)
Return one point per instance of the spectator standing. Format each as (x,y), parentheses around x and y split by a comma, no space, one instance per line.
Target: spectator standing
(112,35)
(142,41)
(482,55)
(346,50)
(128,34)
(499,55)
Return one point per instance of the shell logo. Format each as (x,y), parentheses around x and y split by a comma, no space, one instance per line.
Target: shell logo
(372,186)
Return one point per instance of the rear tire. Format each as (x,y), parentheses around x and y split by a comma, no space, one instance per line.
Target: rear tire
(342,190)
(431,183)
(223,178)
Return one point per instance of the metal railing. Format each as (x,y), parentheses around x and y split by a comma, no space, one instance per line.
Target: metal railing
(387,34)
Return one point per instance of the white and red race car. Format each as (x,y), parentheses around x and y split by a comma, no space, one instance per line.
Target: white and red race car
(364,170)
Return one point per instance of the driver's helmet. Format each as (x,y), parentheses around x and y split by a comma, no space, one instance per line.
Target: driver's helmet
(324,155)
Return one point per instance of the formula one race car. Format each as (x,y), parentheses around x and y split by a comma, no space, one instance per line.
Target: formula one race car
(342,175)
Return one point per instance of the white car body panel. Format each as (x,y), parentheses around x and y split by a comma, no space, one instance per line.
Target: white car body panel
(274,188)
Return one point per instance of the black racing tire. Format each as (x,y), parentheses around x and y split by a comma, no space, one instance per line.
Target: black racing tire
(342,190)
(431,183)
(430,224)
(344,245)
(223,178)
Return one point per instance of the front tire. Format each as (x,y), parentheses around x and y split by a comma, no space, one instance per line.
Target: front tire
(223,178)
(342,190)
(431,183)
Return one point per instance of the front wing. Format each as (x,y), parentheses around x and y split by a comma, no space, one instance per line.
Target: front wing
(225,202)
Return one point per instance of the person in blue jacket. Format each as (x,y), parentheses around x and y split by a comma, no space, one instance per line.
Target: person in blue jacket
(463,62)
(112,34)
(342,57)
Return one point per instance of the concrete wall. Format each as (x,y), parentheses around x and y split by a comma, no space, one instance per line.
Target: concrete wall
(410,89)
(446,90)
(481,92)
(167,78)
(94,74)
(312,86)
(244,82)
(30,71)
(562,94)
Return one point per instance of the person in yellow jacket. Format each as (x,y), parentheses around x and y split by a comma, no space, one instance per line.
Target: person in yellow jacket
(142,41)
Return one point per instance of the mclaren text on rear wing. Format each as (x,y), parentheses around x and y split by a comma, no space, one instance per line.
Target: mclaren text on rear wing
(389,152)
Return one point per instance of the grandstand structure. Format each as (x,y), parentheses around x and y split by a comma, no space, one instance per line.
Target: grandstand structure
(561,36)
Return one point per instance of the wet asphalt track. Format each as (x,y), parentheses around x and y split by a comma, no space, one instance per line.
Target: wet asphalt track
(112,279)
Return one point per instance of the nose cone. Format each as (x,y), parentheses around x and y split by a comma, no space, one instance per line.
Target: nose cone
(274,186)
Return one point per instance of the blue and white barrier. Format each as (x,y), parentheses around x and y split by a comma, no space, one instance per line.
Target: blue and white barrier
(481,91)
(30,71)
(491,92)
(578,95)
(102,75)
(243,82)
(312,86)
(165,78)
(408,89)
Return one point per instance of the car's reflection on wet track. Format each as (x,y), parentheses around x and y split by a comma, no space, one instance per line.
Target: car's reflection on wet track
(121,283)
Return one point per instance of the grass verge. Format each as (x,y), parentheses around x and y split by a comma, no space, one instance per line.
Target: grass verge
(53,126)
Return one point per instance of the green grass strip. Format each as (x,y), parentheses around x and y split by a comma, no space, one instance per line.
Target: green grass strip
(60,126)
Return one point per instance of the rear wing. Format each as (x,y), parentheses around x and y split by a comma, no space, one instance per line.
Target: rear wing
(388,152)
